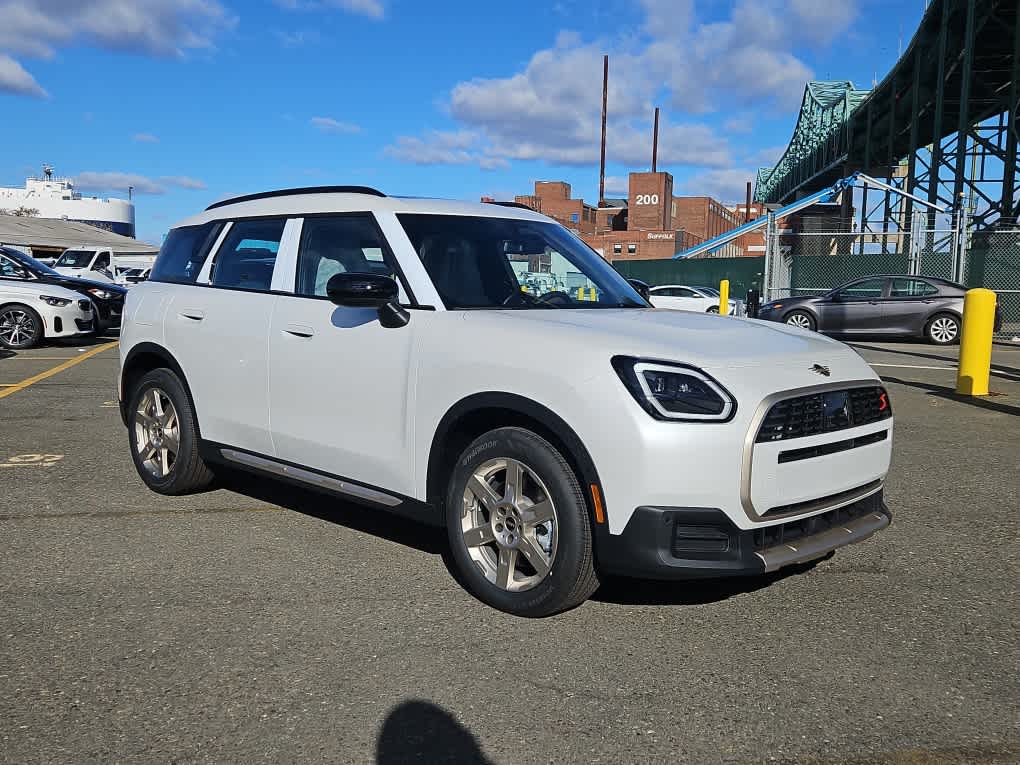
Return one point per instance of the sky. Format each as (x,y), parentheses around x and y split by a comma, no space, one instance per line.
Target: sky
(190,101)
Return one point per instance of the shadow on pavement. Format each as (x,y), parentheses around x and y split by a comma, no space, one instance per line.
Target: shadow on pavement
(935,357)
(419,731)
(6,354)
(942,391)
(622,591)
(326,507)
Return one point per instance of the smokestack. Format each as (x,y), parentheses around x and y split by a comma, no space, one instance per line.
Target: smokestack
(655,142)
(747,207)
(605,104)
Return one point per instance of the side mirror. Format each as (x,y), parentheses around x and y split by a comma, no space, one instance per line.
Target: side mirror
(643,289)
(354,290)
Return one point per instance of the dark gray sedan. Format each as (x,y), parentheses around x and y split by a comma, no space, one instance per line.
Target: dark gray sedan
(920,306)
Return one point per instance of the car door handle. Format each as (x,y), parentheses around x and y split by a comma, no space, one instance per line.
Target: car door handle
(192,313)
(299,330)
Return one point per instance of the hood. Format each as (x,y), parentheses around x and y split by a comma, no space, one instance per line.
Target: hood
(34,289)
(707,340)
(76,283)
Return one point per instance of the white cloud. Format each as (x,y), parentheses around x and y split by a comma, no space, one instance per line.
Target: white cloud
(140,184)
(145,138)
(549,110)
(38,28)
(444,147)
(15,80)
(617,186)
(373,9)
(727,185)
(330,125)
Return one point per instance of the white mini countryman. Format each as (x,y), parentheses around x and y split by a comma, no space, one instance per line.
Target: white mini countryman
(477,366)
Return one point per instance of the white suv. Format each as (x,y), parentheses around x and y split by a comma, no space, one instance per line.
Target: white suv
(403,353)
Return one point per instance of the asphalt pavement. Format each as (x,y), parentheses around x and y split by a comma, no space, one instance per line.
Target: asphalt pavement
(258,624)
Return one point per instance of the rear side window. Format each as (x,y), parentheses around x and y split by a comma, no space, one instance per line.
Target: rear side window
(908,288)
(183,253)
(247,256)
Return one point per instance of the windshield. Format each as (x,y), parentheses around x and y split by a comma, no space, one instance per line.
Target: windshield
(478,262)
(75,258)
(710,291)
(29,262)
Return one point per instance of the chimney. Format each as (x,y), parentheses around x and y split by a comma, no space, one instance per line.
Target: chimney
(605,104)
(655,142)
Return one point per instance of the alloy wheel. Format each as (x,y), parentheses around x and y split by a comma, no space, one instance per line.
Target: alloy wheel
(17,328)
(509,524)
(943,329)
(157,433)
(799,320)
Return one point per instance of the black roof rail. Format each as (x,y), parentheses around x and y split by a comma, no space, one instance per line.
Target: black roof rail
(297,191)
(512,204)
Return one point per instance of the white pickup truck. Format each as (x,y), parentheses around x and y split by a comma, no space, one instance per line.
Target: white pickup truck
(101,264)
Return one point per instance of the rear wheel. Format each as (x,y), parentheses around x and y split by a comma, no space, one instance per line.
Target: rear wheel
(943,329)
(20,327)
(801,319)
(164,436)
(713,309)
(518,525)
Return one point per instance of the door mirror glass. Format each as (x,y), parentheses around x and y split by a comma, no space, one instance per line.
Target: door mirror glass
(356,290)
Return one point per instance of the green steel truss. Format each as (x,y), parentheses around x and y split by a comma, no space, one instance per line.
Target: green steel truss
(943,124)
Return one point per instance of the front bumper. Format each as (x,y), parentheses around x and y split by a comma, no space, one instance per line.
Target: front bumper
(688,543)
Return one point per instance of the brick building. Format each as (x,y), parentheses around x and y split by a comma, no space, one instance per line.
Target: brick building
(553,198)
(752,244)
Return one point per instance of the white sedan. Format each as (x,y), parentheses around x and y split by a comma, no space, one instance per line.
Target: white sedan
(680,297)
(30,313)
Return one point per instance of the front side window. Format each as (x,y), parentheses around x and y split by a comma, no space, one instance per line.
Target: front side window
(183,252)
(247,256)
(478,262)
(11,270)
(912,288)
(336,245)
(75,258)
(866,289)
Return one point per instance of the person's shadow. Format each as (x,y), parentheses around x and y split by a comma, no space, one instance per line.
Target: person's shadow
(418,731)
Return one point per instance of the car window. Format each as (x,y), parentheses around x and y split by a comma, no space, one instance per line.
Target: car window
(912,288)
(336,245)
(247,256)
(75,258)
(483,262)
(866,289)
(12,270)
(685,293)
(103,261)
(183,252)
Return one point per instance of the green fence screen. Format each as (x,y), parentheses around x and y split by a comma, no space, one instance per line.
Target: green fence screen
(744,273)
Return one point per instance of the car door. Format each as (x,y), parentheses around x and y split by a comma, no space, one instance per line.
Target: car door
(909,303)
(857,307)
(339,381)
(218,329)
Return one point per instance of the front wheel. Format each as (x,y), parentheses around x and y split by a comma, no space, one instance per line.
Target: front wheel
(164,436)
(943,329)
(801,320)
(518,525)
(20,328)
(713,309)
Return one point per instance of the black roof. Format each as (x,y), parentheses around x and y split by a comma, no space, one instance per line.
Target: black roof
(296,191)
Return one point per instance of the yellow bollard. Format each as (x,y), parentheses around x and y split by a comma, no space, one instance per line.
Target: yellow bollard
(976,342)
(724,297)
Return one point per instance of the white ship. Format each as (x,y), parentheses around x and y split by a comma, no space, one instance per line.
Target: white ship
(56,198)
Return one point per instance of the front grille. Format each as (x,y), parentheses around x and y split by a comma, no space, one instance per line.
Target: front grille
(789,532)
(824,412)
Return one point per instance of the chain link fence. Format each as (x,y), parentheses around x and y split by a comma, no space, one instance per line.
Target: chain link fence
(812,263)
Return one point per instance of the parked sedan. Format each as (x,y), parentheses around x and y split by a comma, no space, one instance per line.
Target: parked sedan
(680,297)
(919,306)
(108,299)
(32,311)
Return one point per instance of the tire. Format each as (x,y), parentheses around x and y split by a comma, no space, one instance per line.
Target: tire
(801,319)
(20,327)
(713,309)
(942,329)
(160,468)
(564,576)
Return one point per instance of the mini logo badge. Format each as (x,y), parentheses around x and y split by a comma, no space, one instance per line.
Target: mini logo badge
(819,369)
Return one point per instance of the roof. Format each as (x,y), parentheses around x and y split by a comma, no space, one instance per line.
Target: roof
(327,201)
(51,233)
(616,202)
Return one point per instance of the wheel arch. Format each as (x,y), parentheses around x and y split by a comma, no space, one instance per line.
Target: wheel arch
(482,412)
(141,360)
(43,324)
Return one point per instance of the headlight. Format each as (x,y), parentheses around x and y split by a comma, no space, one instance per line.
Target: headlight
(56,302)
(101,294)
(674,391)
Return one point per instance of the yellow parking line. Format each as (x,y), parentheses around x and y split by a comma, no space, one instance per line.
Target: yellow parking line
(56,370)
